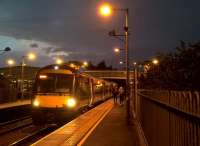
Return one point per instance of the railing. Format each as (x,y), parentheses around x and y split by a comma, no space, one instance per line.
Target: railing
(169,118)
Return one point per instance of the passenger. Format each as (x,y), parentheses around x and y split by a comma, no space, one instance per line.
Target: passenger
(121,95)
(19,95)
(115,93)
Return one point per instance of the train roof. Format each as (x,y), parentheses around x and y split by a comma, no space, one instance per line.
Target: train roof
(66,67)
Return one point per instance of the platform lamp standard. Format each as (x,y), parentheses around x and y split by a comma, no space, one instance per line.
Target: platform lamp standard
(30,56)
(106,10)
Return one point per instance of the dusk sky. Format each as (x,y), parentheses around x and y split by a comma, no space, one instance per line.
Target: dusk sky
(73,29)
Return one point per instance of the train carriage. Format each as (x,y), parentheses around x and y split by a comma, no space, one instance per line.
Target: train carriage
(60,90)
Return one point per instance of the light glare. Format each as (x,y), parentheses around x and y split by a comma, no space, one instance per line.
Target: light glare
(85,63)
(71,102)
(59,61)
(56,67)
(36,103)
(11,62)
(43,77)
(155,61)
(105,10)
(31,56)
(116,50)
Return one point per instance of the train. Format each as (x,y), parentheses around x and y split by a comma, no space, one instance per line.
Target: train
(61,90)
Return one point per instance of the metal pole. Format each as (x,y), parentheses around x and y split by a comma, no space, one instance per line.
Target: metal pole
(127,65)
(135,92)
(22,78)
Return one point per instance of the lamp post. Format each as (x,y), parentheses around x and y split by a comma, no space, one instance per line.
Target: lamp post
(30,56)
(106,10)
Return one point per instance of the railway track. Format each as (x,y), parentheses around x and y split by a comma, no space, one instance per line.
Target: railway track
(16,124)
(32,137)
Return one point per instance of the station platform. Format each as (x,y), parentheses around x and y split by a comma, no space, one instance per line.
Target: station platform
(105,125)
(14,104)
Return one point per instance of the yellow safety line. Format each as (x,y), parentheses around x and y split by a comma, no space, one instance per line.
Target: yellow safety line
(93,128)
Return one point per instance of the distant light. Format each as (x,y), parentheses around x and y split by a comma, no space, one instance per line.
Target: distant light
(98,82)
(72,65)
(10,62)
(85,63)
(31,56)
(43,77)
(105,10)
(116,50)
(59,61)
(134,63)
(155,61)
(56,67)
(121,62)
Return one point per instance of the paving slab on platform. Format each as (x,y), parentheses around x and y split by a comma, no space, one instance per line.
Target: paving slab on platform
(114,130)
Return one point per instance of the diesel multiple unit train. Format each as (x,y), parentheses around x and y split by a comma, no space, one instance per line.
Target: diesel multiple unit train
(60,90)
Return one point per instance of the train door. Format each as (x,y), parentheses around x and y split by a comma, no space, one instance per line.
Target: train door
(91,92)
(82,90)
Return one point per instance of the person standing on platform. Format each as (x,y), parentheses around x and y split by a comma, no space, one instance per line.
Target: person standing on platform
(121,95)
(115,93)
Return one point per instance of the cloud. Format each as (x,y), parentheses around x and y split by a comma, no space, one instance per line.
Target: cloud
(55,52)
(34,45)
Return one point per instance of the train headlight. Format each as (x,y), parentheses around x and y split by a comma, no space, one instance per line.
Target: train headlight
(71,102)
(36,103)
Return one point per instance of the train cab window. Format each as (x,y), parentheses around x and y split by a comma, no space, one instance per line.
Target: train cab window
(54,83)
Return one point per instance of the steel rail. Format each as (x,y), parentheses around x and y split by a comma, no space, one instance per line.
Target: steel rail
(7,130)
(28,138)
(14,121)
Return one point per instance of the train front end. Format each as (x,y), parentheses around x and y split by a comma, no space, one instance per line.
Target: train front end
(53,99)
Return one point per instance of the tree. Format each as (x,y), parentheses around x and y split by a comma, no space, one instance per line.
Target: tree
(178,70)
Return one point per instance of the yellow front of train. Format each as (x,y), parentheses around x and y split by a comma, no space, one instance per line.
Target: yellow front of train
(53,98)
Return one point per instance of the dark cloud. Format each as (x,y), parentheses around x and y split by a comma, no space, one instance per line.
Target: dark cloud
(34,45)
(74,29)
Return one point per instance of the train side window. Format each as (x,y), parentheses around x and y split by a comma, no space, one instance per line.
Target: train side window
(82,88)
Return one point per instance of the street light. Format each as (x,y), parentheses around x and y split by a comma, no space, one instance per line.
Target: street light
(106,10)
(85,63)
(121,62)
(10,63)
(59,61)
(117,50)
(29,56)
(155,61)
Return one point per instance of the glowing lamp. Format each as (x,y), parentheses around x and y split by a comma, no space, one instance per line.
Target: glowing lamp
(71,102)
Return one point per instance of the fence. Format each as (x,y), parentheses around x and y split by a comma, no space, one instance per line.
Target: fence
(169,118)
